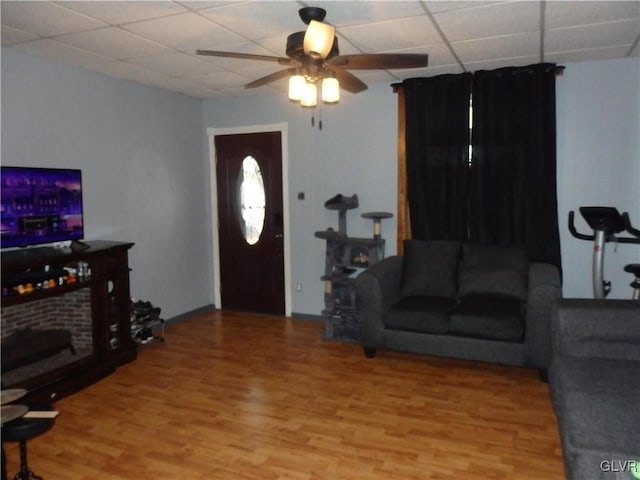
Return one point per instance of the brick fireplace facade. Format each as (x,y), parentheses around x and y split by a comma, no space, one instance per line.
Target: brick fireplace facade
(71,311)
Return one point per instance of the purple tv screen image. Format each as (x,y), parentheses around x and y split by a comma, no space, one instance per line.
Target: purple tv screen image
(40,205)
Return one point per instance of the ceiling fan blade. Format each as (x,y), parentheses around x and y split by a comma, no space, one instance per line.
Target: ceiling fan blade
(271,78)
(380,61)
(246,56)
(348,81)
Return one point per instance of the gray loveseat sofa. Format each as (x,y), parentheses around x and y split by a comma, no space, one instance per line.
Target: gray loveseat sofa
(468,301)
(594,380)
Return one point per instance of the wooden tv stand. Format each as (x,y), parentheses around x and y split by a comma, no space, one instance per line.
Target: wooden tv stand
(111,341)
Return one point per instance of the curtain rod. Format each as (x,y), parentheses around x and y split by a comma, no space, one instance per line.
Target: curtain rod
(559,69)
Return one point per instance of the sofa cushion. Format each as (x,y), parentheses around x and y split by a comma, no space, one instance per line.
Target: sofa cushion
(596,401)
(568,373)
(496,318)
(420,314)
(430,268)
(494,270)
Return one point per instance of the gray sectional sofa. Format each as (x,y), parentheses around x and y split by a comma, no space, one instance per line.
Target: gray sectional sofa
(594,380)
(463,300)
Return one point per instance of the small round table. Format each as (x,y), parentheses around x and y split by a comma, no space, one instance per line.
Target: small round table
(20,430)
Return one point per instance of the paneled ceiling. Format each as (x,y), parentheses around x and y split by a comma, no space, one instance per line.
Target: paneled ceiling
(154,42)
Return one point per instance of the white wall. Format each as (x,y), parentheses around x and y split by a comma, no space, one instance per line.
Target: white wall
(598,115)
(598,132)
(145,164)
(355,152)
(140,151)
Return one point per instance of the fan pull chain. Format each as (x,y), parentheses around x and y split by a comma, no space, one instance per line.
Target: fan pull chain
(313,118)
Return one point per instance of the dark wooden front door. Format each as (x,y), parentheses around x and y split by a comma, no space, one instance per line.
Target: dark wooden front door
(250,222)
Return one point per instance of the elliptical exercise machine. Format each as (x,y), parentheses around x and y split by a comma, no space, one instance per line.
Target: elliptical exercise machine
(606,222)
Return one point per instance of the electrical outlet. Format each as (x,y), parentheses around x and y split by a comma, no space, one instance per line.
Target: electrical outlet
(298,287)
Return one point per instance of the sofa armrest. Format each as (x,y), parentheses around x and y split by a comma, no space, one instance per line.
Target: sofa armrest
(597,328)
(377,289)
(544,291)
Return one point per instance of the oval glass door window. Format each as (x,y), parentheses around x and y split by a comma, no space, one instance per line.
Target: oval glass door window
(252,200)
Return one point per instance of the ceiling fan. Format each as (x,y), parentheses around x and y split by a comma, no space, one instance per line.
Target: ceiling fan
(313,57)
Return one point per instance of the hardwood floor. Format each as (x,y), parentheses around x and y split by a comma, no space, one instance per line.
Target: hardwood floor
(232,396)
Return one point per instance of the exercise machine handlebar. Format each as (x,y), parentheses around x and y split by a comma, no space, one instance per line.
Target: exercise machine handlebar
(574,232)
(606,220)
(630,228)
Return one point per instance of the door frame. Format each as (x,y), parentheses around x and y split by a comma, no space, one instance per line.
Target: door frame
(282,128)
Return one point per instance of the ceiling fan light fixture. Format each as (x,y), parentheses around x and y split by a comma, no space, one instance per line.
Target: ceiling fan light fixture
(318,39)
(309,95)
(313,54)
(330,90)
(297,84)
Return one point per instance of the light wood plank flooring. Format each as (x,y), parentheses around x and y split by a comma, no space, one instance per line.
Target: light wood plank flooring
(232,396)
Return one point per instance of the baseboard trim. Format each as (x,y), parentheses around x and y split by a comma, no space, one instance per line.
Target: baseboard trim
(307,316)
(211,308)
(190,313)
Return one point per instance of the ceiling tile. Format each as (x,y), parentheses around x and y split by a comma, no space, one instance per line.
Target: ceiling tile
(114,42)
(586,55)
(347,13)
(275,45)
(566,14)
(438,6)
(252,70)
(197,91)
(45,19)
(12,35)
(247,76)
(508,46)
(501,63)
(487,21)
(392,35)
(171,83)
(219,80)
(118,12)
(197,5)
(126,71)
(54,50)
(592,36)
(175,64)
(267,19)
(156,40)
(187,31)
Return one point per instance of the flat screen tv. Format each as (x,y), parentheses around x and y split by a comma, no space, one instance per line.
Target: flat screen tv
(40,205)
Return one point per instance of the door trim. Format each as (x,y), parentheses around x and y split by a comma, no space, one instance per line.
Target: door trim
(211,134)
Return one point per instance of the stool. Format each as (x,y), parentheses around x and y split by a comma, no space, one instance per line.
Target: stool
(634,269)
(21,430)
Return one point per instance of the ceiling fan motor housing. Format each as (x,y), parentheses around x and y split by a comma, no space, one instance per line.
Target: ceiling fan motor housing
(312,13)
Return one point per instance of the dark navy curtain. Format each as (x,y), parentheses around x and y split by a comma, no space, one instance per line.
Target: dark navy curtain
(506,193)
(437,152)
(512,180)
